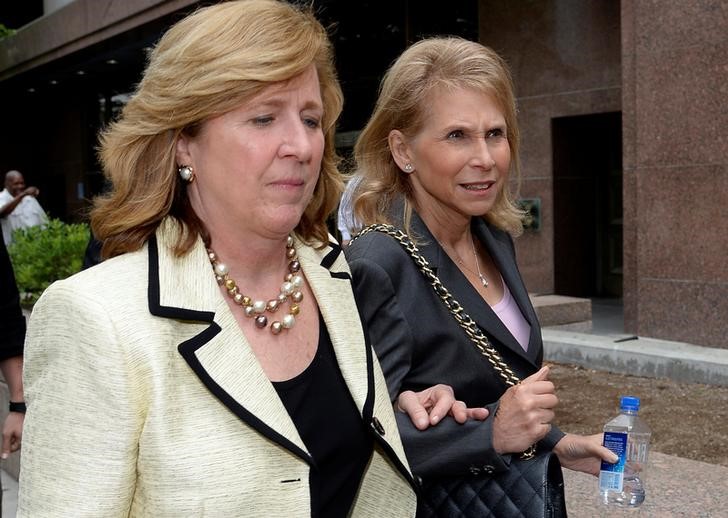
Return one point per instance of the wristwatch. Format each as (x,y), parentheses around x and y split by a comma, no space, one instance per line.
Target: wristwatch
(17,406)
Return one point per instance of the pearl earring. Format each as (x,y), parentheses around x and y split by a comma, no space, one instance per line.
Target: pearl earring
(408,168)
(186,173)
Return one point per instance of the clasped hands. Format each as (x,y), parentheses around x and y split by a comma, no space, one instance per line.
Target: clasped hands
(523,417)
(427,407)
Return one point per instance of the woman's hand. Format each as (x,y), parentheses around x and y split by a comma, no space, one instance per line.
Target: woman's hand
(429,406)
(12,433)
(524,413)
(583,452)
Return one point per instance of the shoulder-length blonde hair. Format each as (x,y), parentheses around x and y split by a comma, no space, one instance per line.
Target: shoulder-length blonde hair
(205,65)
(430,64)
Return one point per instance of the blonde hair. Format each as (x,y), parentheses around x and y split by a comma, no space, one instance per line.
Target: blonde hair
(206,65)
(430,64)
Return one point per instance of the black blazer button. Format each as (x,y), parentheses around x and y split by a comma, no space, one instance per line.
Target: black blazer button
(475,471)
(377,426)
(489,469)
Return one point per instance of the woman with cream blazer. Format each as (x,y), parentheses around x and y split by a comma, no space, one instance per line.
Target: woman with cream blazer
(189,397)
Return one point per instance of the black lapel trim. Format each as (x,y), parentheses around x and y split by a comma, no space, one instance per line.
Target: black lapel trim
(187,350)
(395,460)
(330,258)
(368,410)
(155,308)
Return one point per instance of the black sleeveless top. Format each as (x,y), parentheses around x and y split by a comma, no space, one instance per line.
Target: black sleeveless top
(331,427)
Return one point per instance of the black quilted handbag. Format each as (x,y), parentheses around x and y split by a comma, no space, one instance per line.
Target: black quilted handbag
(533,486)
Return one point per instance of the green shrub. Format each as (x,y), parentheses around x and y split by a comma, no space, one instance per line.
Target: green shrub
(5,32)
(44,254)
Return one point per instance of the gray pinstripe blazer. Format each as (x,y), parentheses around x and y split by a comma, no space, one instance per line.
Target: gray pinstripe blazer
(419,344)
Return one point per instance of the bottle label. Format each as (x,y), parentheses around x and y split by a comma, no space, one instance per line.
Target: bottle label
(611,475)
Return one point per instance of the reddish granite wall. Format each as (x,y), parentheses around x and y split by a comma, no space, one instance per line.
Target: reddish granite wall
(675,127)
(664,65)
(565,60)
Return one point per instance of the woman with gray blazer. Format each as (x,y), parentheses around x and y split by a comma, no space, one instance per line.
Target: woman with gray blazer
(435,161)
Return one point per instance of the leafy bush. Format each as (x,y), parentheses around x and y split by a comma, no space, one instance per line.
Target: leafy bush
(43,254)
(5,32)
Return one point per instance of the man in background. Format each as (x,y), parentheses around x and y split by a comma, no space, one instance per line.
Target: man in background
(18,206)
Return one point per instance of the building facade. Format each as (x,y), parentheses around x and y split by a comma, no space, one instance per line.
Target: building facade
(623,108)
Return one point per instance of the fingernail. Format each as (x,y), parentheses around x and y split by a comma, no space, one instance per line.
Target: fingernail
(422,423)
(435,419)
(4,456)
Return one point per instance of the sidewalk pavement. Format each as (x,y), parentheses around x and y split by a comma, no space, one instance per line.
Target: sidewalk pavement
(674,487)
(9,495)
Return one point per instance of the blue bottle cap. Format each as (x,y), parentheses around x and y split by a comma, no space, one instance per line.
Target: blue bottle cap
(630,403)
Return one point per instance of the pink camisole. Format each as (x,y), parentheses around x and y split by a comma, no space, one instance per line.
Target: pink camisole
(511,316)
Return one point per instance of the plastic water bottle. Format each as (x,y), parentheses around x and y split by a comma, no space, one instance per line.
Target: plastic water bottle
(622,484)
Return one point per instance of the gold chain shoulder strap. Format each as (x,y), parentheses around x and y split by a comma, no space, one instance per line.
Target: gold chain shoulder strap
(480,341)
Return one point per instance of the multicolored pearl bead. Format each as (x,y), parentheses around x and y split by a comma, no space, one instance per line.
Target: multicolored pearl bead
(290,291)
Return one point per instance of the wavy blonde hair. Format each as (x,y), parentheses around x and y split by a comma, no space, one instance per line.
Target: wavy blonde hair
(206,65)
(430,64)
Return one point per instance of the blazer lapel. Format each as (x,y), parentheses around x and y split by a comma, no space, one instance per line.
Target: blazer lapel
(505,260)
(328,276)
(460,287)
(212,343)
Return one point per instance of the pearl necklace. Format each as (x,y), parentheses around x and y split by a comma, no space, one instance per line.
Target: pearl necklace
(290,291)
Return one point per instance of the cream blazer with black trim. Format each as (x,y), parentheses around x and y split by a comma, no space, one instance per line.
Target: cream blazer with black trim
(144,398)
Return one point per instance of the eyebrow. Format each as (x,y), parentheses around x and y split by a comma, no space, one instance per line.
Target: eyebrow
(277,102)
(469,127)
